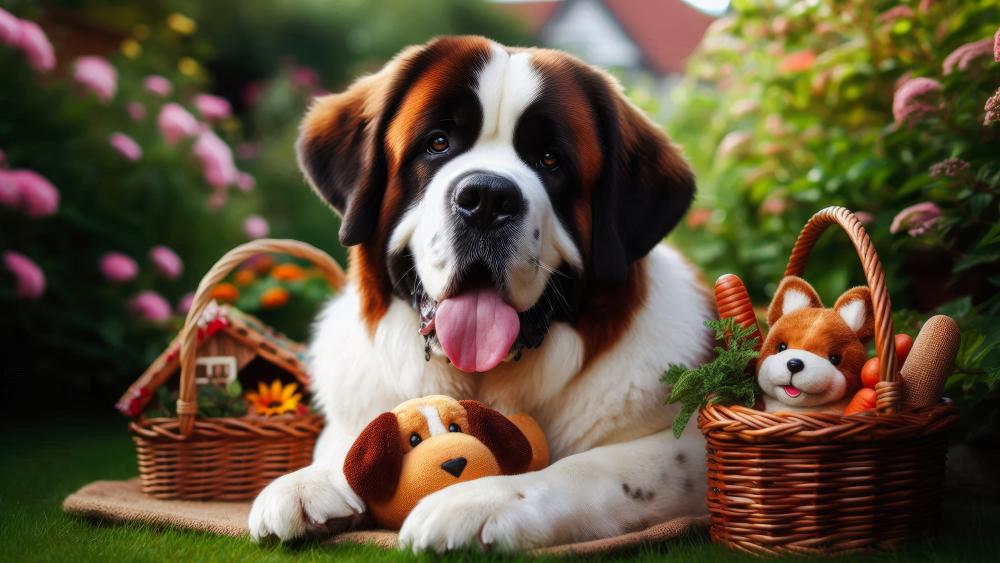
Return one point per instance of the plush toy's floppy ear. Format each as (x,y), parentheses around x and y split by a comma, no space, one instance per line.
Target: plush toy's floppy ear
(500,435)
(793,293)
(855,307)
(374,462)
(644,190)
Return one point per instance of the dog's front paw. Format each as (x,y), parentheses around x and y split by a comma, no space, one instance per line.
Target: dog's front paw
(506,513)
(303,502)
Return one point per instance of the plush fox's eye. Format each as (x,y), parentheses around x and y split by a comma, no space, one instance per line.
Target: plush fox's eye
(415,439)
(834,359)
(782,346)
(454,427)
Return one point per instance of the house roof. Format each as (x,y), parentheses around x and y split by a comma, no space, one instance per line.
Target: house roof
(666,31)
(246,329)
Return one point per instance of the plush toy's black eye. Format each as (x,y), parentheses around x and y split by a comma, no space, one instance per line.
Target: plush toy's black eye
(834,359)
(782,346)
(438,144)
(454,427)
(415,439)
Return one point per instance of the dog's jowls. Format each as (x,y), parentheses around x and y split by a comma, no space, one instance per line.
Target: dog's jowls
(503,209)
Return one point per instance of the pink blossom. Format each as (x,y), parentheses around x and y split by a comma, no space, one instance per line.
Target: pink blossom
(910,99)
(216,160)
(797,62)
(256,227)
(150,306)
(698,217)
(962,56)
(184,303)
(30,278)
(916,219)
(10,28)
(865,217)
(176,123)
(733,143)
(996,46)
(30,192)
(158,85)
(36,46)
(212,108)
(897,13)
(992,109)
(773,206)
(126,146)
(245,182)
(118,268)
(744,107)
(305,77)
(136,110)
(97,75)
(166,261)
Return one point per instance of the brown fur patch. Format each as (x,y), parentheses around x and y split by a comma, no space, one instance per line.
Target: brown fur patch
(609,313)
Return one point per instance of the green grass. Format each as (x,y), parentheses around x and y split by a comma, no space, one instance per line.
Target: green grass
(40,465)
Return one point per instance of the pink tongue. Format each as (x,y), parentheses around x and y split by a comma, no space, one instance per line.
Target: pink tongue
(792,391)
(476,329)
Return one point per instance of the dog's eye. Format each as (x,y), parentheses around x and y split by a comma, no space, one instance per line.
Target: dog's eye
(782,346)
(438,144)
(550,160)
(834,359)
(454,427)
(415,439)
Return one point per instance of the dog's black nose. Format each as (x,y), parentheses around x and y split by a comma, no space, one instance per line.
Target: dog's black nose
(455,466)
(795,365)
(485,201)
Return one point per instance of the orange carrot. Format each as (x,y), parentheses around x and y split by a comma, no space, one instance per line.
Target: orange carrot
(733,302)
(863,400)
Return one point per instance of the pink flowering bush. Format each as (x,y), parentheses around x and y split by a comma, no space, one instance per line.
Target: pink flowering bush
(212,108)
(158,85)
(166,261)
(176,123)
(150,306)
(126,146)
(897,116)
(256,227)
(29,192)
(216,160)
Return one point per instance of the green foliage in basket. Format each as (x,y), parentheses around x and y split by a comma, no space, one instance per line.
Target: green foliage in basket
(726,379)
(214,401)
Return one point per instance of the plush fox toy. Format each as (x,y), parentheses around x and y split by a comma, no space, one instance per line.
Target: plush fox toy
(812,357)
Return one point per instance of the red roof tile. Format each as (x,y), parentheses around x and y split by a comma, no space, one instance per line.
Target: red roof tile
(667,31)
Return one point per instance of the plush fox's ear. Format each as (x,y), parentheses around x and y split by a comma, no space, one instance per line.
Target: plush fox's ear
(375,460)
(855,307)
(793,293)
(500,435)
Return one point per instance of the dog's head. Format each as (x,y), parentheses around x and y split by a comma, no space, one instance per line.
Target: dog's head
(813,356)
(491,187)
(427,444)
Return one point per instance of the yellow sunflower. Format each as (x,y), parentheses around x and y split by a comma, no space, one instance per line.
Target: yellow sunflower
(274,400)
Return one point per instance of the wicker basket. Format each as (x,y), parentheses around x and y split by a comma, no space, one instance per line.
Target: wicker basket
(827,484)
(224,458)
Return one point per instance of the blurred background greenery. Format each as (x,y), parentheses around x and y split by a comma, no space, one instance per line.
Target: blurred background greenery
(784,108)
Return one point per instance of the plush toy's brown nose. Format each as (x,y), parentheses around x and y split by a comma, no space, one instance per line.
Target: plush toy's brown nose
(455,466)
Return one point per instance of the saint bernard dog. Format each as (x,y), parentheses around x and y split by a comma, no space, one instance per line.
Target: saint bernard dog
(503,209)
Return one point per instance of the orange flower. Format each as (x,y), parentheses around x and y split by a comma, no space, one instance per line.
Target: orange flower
(798,61)
(274,399)
(274,297)
(226,292)
(244,277)
(288,272)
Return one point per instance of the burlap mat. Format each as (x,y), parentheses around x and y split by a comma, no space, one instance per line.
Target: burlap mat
(123,501)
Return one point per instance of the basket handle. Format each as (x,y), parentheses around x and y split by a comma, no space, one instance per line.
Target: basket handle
(187,403)
(888,388)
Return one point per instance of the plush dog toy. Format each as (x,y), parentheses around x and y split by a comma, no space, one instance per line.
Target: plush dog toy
(427,444)
(812,357)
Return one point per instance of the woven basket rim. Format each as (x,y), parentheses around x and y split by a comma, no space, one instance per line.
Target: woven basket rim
(741,423)
(168,429)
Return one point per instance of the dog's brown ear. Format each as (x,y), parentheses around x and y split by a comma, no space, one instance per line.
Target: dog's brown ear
(500,435)
(375,460)
(793,293)
(855,307)
(644,190)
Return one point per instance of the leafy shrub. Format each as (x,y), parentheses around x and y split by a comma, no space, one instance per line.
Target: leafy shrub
(878,106)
